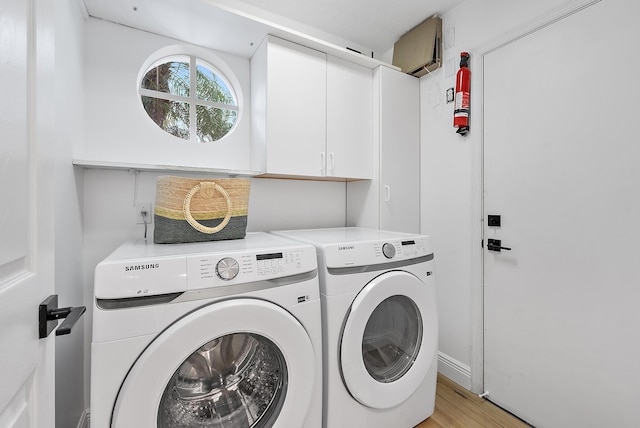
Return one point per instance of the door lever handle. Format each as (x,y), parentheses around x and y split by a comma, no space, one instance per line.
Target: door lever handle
(49,313)
(496,245)
(71,316)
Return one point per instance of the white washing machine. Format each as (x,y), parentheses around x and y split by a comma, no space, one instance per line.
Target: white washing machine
(224,334)
(380,326)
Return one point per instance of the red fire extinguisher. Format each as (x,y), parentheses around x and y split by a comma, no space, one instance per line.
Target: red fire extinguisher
(461,106)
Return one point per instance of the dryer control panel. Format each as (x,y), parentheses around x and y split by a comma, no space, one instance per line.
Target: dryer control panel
(365,253)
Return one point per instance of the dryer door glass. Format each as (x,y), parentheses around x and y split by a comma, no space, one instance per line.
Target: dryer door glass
(237,381)
(392,338)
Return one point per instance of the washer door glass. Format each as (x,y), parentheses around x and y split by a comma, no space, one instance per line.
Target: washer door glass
(392,339)
(238,380)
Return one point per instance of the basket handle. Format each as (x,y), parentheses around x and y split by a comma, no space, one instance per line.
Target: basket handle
(186,207)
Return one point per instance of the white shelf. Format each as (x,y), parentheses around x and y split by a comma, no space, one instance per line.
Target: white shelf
(86,163)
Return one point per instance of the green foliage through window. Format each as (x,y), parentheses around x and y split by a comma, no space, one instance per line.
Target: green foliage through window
(204,115)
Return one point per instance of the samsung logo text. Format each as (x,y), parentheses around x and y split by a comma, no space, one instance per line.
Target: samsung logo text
(142,267)
(346,247)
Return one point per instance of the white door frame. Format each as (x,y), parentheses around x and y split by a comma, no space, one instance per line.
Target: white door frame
(477,208)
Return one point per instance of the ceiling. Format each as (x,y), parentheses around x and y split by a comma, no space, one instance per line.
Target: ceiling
(238,26)
(372,24)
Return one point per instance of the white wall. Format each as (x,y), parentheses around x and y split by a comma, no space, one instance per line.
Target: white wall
(450,182)
(71,383)
(110,215)
(119,129)
(109,195)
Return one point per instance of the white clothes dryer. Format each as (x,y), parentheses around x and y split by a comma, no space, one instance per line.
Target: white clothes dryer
(223,334)
(380,326)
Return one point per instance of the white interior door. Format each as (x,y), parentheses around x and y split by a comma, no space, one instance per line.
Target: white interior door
(26,222)
(562,168)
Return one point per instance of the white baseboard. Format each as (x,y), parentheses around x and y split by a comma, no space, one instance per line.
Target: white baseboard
(454,370)
(84,419)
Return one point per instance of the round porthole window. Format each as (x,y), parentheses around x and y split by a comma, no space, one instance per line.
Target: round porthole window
(189,98)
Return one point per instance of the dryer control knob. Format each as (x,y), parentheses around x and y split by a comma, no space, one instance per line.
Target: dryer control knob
(388,250)
(227,269)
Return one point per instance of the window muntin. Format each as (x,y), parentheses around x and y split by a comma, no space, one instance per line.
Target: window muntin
(169,76)
(203,115)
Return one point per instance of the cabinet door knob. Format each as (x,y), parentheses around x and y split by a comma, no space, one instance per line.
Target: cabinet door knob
(322,162)
(388,193)
(332,163)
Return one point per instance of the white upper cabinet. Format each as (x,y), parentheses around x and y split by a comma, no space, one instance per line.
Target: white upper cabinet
(349,119)
(311,115)
(289,108)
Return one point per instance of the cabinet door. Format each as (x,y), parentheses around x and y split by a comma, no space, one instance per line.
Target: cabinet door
(296,109)
(399,151)
(349,120)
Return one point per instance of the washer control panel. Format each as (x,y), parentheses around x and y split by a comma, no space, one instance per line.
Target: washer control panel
(214,270)
(388,250)
(227,269)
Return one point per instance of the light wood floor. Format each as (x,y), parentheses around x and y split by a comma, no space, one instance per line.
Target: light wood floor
(457,407)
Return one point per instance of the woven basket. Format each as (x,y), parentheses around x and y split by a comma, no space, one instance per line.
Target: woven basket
(197,210)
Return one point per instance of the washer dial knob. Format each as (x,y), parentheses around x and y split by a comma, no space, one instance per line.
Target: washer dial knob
(388,250)
(227,269)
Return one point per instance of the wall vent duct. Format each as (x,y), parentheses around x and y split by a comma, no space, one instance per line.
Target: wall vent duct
(419,51)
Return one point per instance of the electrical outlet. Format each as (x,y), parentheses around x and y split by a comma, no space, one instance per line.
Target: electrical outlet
(143,207)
